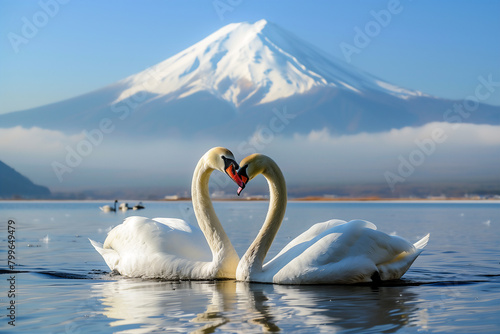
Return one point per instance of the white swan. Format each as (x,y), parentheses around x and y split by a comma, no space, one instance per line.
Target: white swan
(107,208)
(124,207)
(171,248)
(331,252)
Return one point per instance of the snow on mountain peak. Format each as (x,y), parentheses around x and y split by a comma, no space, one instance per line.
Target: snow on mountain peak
(249,63)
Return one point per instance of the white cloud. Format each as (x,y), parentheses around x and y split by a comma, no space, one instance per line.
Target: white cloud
(318,157)
(448,152)
(34,141)
(473,134)
(30,151)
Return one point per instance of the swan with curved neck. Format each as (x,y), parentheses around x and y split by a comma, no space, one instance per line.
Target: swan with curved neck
(107,208)
(331,252)
(171,248)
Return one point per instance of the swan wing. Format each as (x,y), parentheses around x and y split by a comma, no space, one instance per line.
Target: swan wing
(160,235)
(311,233)
(142,247)
(176,224)
(320,240)
(105,208)
(340,252)
(184,240)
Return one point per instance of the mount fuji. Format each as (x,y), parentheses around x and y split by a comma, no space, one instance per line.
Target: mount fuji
(235,81)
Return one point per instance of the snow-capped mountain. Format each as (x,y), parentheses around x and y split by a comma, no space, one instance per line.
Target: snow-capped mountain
(254,64)
(233,81)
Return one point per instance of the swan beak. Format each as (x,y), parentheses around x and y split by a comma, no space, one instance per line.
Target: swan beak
(242,173)
(240,189)
(244,181)
(231,171)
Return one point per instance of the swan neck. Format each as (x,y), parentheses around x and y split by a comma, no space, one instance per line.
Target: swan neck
(255,255)
(223,252)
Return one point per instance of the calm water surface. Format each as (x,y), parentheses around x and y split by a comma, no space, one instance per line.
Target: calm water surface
(62,285)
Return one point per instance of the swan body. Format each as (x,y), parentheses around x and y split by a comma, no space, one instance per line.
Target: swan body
(332,252)
(108,208)
(158,247)
(124,207)
(170,248)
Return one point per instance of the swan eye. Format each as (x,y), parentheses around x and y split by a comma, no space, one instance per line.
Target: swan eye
(229,162)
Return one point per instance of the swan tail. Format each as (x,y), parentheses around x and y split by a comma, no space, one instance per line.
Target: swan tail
(397,267)
(109,255)
(422,242)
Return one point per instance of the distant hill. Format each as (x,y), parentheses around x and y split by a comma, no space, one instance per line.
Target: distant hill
(14,184)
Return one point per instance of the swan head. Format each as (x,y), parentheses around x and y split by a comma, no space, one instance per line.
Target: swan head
(223,160)
(252,166)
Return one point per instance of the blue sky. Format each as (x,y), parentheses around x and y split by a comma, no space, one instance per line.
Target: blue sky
(438,47)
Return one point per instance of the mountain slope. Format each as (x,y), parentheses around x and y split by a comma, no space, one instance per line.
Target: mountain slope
(13,184)
(253,64)
(229,84)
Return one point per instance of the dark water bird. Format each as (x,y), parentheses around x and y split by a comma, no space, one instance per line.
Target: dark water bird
(138,206)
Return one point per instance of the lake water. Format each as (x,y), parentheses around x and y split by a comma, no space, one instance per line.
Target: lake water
(62,285)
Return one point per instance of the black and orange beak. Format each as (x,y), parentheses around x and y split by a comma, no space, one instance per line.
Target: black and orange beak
(231,166)
(242,173)
(231,171)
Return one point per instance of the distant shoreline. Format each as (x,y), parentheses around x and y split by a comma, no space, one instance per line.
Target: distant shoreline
(378,199)
(261,199)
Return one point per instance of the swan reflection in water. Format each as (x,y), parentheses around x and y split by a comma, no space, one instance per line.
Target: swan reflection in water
(202,306)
